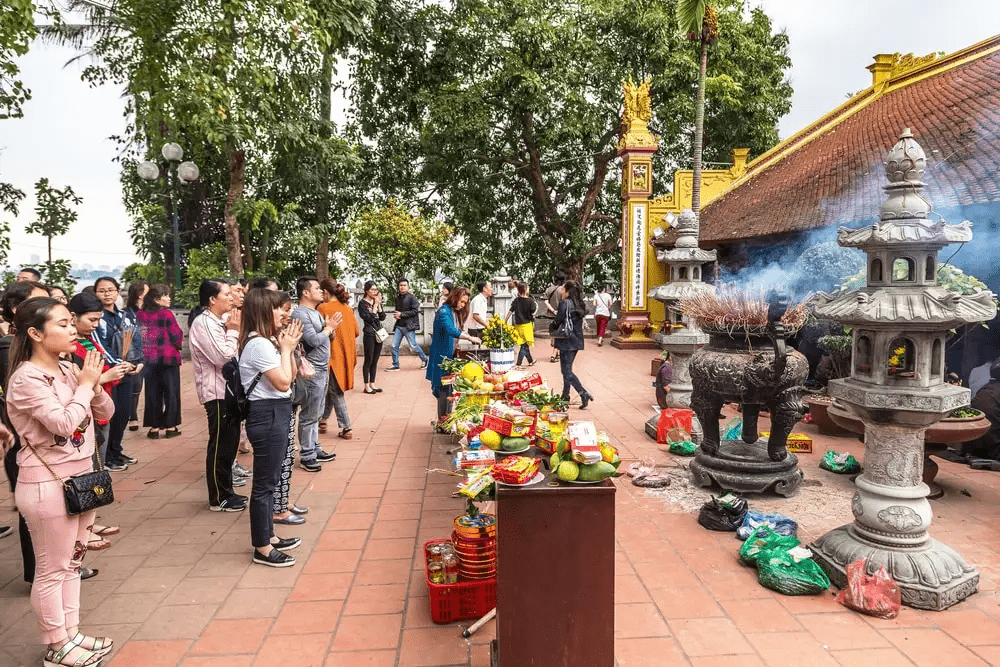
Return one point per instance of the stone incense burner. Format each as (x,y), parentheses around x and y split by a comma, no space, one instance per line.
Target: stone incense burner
(754,368)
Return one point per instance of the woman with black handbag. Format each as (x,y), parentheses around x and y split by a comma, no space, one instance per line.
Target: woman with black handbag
(53,406)
(567,331)
(371,314)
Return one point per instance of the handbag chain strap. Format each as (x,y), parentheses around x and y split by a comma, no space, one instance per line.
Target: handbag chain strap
(97,452)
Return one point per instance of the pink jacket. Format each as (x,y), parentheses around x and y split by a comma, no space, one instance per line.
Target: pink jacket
(212,345)
(54,415)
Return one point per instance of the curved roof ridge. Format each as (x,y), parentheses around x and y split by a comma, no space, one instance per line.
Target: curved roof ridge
(855,103)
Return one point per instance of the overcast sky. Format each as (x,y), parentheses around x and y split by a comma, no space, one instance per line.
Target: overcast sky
(64,134)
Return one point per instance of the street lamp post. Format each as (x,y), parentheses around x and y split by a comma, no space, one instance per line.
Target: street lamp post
(187,172)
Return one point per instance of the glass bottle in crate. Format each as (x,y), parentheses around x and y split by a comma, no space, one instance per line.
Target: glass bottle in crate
(450,565)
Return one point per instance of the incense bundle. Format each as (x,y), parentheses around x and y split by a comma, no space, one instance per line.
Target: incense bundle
(128,332)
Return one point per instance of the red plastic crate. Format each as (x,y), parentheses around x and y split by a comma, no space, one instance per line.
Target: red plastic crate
(462,601)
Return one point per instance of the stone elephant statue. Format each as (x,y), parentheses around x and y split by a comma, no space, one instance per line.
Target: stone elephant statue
(754,371)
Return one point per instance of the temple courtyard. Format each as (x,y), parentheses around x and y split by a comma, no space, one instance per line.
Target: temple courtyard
(177,586)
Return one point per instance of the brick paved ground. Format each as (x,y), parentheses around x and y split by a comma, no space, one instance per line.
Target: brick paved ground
(177,587)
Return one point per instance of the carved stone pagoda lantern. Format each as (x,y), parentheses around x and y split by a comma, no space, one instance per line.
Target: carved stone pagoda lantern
(685,262)
(900,321)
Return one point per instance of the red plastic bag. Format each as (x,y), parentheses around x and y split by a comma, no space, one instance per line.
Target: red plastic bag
(671,417)
(875,595)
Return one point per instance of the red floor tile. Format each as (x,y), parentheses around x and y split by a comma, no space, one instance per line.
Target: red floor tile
(150,654)
(301,650)
(358,633)
(709,636)
(301,618)
(232,636)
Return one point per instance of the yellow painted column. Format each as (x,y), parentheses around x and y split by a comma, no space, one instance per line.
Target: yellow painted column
(636,147)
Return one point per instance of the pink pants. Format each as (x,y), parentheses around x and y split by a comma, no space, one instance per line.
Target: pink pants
(60,543)
(602,325)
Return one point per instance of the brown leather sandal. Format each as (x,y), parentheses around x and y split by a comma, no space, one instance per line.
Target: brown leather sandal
(322,427)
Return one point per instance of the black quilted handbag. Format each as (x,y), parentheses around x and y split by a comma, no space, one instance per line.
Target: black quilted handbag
(86,491)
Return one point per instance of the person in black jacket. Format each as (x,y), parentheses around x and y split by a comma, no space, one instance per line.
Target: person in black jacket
(371,313)
(567,332)
(407,324)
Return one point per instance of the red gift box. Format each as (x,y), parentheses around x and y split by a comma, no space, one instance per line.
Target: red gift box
(507,428)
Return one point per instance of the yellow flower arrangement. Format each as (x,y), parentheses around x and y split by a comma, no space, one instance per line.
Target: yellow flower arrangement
(498,335)
(896,360)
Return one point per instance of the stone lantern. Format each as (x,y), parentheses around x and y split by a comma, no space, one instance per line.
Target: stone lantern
(502,294)
(685,263)
(899,322)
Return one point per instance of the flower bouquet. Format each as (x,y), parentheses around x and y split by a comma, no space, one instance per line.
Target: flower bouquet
(498,336)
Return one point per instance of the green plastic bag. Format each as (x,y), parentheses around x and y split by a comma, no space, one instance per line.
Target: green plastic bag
(787,574)
(842,464)
(762,539)
(683,448)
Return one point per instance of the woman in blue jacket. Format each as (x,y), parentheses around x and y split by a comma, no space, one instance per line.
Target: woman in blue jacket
(447,330)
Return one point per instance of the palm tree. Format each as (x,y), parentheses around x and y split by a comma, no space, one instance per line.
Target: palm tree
(701,24)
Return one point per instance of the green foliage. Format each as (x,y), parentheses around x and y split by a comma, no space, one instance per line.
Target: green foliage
(53,214)
(242,85)
(10,200)
(203,263)
(56,273)
(17,29)
(503,115)
(690,15)
(390,242)
(151,273)
(839,347)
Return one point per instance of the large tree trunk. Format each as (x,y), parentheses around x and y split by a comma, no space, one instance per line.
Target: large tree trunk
(323,258)
(699,126)
(325,111)
(237,164)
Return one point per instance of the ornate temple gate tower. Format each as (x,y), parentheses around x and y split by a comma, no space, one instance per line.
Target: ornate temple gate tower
(641,317)
(636,148)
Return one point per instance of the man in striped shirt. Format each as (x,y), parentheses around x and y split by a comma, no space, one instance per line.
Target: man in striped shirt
(213,341)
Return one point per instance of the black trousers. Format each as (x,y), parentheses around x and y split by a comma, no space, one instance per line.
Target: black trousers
(27,550)
(524,353)
(163,396)
(223,441)
(444,405)
(136,392)
(373,349)
(267,430)
(121,395)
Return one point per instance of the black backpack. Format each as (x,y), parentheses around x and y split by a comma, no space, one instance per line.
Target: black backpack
(236,402)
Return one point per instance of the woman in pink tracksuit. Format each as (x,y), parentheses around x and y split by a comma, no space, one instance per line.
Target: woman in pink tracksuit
(53,407)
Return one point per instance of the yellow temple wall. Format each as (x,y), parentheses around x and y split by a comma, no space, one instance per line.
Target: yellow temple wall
(713,183)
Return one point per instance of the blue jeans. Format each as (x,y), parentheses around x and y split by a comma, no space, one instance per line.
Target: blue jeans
(309,415)
(566,359)
(411,337)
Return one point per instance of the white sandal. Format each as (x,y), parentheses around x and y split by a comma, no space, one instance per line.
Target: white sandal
(102,645)
(55,658)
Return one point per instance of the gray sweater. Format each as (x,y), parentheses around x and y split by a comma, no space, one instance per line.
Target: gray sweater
(314,341)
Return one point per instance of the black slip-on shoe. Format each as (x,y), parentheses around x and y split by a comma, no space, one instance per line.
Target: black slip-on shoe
(274,558)
(325,457)
(286,543)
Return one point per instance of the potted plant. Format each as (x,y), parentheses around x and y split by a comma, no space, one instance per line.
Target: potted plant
(499,338)
(837,363)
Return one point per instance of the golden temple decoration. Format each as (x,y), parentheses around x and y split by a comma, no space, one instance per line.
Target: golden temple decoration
(638,111)
(902,64)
